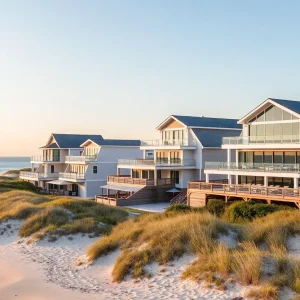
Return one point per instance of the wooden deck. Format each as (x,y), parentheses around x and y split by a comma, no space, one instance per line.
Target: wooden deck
(198,193)
(138,181)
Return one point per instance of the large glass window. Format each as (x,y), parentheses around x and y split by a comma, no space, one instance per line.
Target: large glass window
(278,157)
(241,156)
(260,133)
(277,113)
(175,175)
(145,174)
(135,174)
(290,157)
(260,117)
(258,157)
(286,115)
(268,157)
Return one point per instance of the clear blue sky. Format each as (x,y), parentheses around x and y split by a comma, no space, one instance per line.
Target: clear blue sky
(119,68)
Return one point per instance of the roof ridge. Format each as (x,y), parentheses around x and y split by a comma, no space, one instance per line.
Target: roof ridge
(204,117)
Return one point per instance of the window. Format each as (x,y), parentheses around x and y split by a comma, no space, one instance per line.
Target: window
(135,174)
(268,157)
(278,157)
(286,115)
(258,157)
(56,155)
(145,174)
(52,169)
(95,169)
(290,157)
(151,174)
(175,175)
(158,174)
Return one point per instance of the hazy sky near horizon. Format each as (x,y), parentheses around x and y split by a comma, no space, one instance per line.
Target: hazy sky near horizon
(119,68)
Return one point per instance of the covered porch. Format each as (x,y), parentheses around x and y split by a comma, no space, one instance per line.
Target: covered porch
(60,187)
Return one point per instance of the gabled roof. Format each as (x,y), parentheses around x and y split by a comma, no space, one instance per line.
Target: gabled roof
(52,146)
(113,142)
(69,141)
(291,106)
(212,138)
(190,121)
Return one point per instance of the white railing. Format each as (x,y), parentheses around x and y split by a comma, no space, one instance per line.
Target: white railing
(246,140)
(183,142)
(74,176)
(158,162)
(37,175)
(45,159)
(257,167)
(81,158)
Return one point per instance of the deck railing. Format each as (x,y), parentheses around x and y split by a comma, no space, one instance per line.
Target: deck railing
(276,139)
(257,167)
(46,159)
(81,158)
(140,181)
(171,142)
(158,162)
(238,189)
(36,175)
(74,176)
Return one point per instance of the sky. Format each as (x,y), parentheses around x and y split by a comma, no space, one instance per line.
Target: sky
(119,68)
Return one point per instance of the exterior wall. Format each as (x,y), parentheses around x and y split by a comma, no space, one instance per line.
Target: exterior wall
(215,155)
(94,188)
(112,154)
(186,176)
(74,152)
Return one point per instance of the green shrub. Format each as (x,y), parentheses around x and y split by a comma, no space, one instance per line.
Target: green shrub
(17,185)
(179,207)
(248,211)
(216,207)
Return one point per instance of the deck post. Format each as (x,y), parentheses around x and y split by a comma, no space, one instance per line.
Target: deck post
(265,180)
(228,158)
(207,178)
(296,182)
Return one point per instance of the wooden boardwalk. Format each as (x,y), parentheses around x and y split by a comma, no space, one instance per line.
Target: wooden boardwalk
(198,193)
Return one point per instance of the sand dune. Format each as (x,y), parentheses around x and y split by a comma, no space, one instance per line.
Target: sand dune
(46,271)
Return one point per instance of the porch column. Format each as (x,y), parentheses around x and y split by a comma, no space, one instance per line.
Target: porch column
(265,180)
(236,179)
(228,159)
(229,179)
(207,177)
(118,171)
(155,177)
(296,182)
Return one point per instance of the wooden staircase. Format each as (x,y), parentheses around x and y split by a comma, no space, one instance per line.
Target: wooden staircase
(180,198)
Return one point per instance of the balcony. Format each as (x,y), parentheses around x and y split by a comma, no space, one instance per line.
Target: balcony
(46,159)
(161,162)
(37,176)
(80,159)
(169,143)
(254,167)
(71,176)
(140,181)
(247,140)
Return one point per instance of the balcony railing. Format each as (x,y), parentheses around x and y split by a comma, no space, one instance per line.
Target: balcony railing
(160,162)
(276,139)
(182,142)
(258,167)
(141,181)
(81,158)
(73,176)
(45,159)
(36,175)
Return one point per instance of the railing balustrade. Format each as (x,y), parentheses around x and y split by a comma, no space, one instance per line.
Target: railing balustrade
(140,181)
(247,189)
(46,159)
(158,162)
(81,158)
(276,139)
(259,167)
(74,176)
(171,142)
(37,175)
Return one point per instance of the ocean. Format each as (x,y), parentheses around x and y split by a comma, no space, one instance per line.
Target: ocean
(13,163)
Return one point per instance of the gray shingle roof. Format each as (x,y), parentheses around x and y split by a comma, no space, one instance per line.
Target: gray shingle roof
(65,140)
(213,137)
(113,142)
(208,122)
(289,104)
(52,146)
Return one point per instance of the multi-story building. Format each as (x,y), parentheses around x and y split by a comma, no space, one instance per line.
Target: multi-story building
(78,164)
(267,164)
(179,154)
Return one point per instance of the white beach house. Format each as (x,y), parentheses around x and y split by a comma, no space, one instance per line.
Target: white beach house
(76,164)
(267,164)
(177,157)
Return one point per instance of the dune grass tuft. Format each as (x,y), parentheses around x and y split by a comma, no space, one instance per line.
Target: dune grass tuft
(267,291)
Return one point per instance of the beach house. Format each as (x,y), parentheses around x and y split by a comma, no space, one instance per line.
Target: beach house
(75,164)
(176,157)
(267,164)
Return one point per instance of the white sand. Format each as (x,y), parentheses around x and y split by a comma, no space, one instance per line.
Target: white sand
(45,271)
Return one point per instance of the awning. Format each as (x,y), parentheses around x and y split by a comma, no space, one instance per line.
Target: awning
(59,182)
(125,188)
